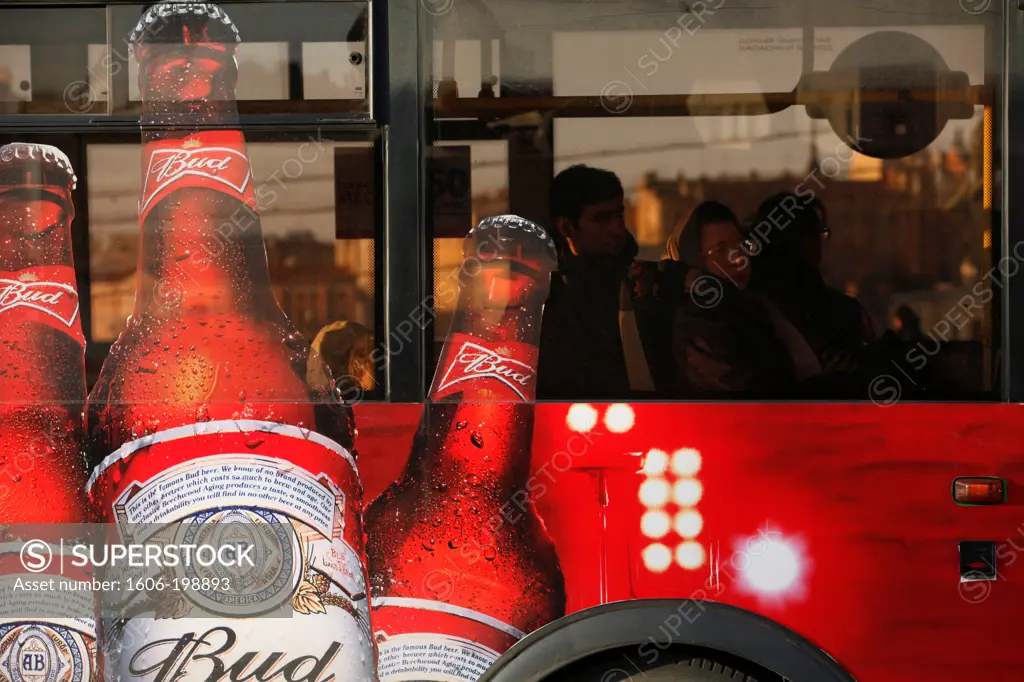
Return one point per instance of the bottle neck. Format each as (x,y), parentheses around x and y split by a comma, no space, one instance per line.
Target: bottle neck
(35,228)
(202,242)
(490,354)
(187,87)
(473,449)
(41,342)
(201,250)
(478,424)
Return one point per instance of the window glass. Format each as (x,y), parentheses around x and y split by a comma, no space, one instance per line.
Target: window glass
(295,57)
(882,131)
(45,58)
(455,209)
(319,216)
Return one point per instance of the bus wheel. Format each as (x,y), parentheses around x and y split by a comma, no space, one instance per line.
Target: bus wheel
(618,666)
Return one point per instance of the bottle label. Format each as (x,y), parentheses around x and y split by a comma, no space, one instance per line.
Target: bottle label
(504,372)
(422,639)
(215,159)
(38,647)
(299,493)
(44,294)
(49,651)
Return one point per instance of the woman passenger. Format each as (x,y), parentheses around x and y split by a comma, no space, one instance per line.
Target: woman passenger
(722,340)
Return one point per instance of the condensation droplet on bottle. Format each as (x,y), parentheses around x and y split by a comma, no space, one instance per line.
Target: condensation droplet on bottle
(461,425)
(489,553)
(436,523)
(476,439)
(253,441)
(473,479)
(428,544)
(453,543)
(147,368)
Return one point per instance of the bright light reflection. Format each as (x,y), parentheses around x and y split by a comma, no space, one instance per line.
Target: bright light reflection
(655,462)
(688,524)
(655,524)
(654,492)
(619,418)
(687,492)
(690,555)
(581,417)
(685,462)
(657,557)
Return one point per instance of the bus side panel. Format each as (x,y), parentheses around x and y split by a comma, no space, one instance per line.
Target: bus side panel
(836,521)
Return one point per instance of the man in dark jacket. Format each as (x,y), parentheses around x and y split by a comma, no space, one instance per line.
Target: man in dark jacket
(590,346)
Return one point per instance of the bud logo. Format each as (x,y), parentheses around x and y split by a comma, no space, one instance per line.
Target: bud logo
(476,362)
(218,165)
(57,300)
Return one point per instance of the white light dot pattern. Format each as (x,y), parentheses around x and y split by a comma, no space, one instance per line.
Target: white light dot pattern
(657,557)
(655,524)
(670,491)
(690,555)
(688,524)
(581,418)
(655,462)
(687,492)
(655,492)
(619,418)
(685,462)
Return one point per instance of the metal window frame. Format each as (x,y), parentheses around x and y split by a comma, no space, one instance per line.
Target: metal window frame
(1011,223)
(400,101)
(398,81)
(395,117)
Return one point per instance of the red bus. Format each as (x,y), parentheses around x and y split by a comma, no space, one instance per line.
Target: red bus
(872,535)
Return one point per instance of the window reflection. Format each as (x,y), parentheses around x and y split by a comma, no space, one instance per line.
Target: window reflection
(321,271)
(294,57)
(730,107)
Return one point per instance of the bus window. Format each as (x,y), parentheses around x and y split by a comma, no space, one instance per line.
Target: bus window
(783,204)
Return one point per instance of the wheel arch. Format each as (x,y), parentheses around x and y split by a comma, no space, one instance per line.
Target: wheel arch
(652,625)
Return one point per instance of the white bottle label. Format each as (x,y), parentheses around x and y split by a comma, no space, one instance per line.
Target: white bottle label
(289,491)
(421,639)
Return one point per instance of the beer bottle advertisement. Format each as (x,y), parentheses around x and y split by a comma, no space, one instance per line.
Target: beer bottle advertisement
(202,413)
(42,396)
(470,455)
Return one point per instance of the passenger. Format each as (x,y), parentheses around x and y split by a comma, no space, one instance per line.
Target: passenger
(824,330)
(590,346)
(345,348)
(906,325)
(722,340)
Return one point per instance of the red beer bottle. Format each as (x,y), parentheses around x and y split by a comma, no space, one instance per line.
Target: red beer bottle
(202,411)
(460,568)
(42,395)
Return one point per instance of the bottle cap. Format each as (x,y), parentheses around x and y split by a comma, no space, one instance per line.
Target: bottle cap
(500,238)
(49,159)
(165,23)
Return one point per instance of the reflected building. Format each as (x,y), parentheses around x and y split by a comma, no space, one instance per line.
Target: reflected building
(897,225)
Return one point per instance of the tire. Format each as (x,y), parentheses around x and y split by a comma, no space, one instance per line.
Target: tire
(669,666)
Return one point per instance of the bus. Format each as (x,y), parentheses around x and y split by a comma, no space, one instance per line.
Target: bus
(868,535)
